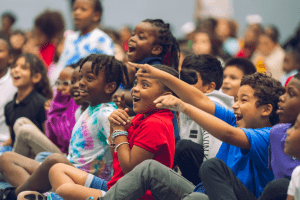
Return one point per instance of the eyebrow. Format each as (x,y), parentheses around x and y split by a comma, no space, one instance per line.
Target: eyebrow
(244,95)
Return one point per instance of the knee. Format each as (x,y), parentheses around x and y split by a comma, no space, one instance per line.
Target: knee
(54,159)
(182,145)
(20,122)
(56,168)
(24,132)
(276,188)
(207,166)
(5,159)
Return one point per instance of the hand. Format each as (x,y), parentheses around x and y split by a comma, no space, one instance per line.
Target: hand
(170,102)
(119,100)
(47,104)
(120,119)
(146,70)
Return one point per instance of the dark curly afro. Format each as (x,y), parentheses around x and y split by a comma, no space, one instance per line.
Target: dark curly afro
(267,90)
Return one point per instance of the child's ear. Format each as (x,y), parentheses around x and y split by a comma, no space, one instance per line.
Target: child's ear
(267,110)
(157,49)
(210,87)
(167,93)
(97,16)
(110,87)
(36,78)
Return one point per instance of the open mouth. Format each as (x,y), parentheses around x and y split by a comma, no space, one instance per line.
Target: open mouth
(238,116)
(16,77)
(83,93)
(135,99)
(279,110)
(75,94)
(131,48)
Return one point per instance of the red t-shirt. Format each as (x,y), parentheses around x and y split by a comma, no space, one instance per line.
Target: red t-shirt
(154,133)
(47,53)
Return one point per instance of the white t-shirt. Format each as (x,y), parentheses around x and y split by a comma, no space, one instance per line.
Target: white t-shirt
(294,187)
(7,92)
(190,130)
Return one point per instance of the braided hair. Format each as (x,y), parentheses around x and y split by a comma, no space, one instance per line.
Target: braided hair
(115,71)
(170,47)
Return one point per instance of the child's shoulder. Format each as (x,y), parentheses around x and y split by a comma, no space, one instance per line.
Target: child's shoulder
(102,109)
(160,117)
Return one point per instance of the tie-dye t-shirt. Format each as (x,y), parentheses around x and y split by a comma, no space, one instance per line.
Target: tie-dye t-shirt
(88,148)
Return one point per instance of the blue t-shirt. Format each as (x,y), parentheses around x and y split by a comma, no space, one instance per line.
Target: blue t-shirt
(250,166)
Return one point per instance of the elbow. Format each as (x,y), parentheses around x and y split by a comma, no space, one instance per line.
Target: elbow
(227,137)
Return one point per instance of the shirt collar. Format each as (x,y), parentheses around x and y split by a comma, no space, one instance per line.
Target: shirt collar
(27,99)
(151,60)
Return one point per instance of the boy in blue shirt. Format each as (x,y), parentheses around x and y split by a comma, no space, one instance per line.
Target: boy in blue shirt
(240,169)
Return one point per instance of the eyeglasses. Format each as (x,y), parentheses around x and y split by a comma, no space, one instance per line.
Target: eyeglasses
(65,83)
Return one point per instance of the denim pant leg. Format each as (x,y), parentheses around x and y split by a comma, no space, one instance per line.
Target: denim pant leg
(163,182)
(220,182)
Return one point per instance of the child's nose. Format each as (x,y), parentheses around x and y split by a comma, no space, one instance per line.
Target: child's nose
(235,105)
(282,98)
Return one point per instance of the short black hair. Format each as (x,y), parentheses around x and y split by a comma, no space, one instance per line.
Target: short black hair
(209,68)
(267,90)
(243,64)
(51,23)
(297,76)
(115,70)
(9,15)
(6,39)
(188,76)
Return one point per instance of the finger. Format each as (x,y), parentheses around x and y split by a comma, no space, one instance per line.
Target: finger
(140,66)
(122,118)
(159,99)
(125,113)
(112,120)
(122,96)
(126,110)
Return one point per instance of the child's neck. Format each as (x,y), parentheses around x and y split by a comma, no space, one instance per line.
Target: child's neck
(84,107)
(23,93)
(88,29)
(3,72)
(105,99)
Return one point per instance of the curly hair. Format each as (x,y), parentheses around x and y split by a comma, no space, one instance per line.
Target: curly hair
(51,23)
(167,41)
(115,71)
(267,90)
(37,66)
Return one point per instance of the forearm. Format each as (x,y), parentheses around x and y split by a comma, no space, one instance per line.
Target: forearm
(217,127)
(124,154)
(188,93)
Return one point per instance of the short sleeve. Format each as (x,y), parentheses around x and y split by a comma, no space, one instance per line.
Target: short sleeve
(41,114)
(152,135)
(6,115)
(225,114)
(259,141)
(293,183)
(103,123)
(105,46)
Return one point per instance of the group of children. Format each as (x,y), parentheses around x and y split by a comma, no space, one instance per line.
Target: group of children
(119,130)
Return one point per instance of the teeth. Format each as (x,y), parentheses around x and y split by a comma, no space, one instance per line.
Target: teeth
(238,116)
(76,93)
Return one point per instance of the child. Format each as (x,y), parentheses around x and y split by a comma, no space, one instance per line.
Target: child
(47,26)
(100,77)
(30,77)
(7,21)
(291,64)
(291,148)
(152,42)
(254,112)
(58,127)
(150,136)
(196,143)
(234,71)
(271,52)
(7,89)
(88,39)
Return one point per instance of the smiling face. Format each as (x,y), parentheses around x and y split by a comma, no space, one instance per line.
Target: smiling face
(144,92)
(289,102)
(290,63)
(232,80)
(265,45)
(21,74)
(92,86)
(141,43)
(74,89)
(292,141)
(64,81)
(84,16)
(246,113)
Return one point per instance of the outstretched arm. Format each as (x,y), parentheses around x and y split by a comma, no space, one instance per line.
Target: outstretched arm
(183,90)
(213,125)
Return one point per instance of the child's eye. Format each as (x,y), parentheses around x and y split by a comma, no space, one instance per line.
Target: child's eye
(89,78)
(145,85)
(291,94)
